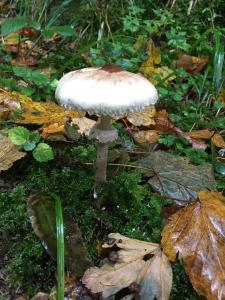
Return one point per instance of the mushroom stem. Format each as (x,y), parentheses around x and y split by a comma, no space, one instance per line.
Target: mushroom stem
(102,153)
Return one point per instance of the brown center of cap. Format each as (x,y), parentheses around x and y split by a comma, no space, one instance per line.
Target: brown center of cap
(112,69)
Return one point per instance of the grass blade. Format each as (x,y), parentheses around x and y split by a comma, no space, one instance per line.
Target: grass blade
(60,248)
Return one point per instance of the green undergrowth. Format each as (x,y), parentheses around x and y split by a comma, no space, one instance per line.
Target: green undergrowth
(130,208)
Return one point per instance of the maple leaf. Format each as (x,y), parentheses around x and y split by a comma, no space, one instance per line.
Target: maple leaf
(9,153)
(152,278)
(196,234)
(174,177)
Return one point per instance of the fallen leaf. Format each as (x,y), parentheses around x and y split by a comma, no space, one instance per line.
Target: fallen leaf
(144,118)
(216,138)
(156,278)
(111,278)
(52,129)
(201,134)
(196,234)
(129,268)
(37,112)
(164,124)
(40,296)
(174,177)
(9,153)
(192,64)
(41,210)
(145,136)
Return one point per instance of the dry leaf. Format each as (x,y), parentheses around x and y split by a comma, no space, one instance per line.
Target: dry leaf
(130,268)
(216,138)
(201,134)
(196,234)
(52,129)
(144,118)
(145,136)
(84,125)
(156,278)
(9,153)
(192,64)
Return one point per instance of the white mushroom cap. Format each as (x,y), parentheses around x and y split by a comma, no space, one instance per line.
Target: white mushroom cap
(107,90)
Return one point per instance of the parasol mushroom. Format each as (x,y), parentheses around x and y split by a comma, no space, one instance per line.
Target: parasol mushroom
(105,91)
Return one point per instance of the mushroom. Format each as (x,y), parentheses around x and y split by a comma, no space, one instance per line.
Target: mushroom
(105,91)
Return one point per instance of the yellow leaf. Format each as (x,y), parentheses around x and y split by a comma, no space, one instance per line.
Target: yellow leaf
(38,112)
(218,140)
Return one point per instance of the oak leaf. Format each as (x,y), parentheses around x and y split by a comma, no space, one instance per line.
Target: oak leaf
(196,234)
(153,276)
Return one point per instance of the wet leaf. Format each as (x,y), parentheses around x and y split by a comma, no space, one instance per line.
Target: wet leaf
(37,112)
(196,234)
(192,64)
(131,269)
(9,153)
(41,210)
(174,177)
(144,118)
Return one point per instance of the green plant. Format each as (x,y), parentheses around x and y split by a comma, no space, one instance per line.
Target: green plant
(29,141)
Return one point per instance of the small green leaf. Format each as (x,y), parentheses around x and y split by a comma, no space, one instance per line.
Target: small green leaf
(19,135)
(65,31)
(43,152)
(29,146)
(34,137)
(14,24)
(34,76)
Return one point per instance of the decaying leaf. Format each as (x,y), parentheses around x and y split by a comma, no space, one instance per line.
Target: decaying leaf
(174,177)
(9,153)
(164,124)
(207,134)
(192,64)
(41,210)
(152,278)
(155,278)
(145,136)
(196,234)
(149,69)
(37,112)
(144,118)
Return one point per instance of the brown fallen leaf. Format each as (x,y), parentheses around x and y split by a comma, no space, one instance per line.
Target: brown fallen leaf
(9,153)
(150,279)
(164,124)
(144,118)
(192,64)
(216,138)
(145,136)
(196,234)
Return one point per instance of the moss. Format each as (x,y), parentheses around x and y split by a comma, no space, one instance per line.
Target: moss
(129,208)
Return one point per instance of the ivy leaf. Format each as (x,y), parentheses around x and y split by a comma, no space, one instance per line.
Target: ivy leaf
(19,135)
(43,152)
(196,234)
(174,177)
